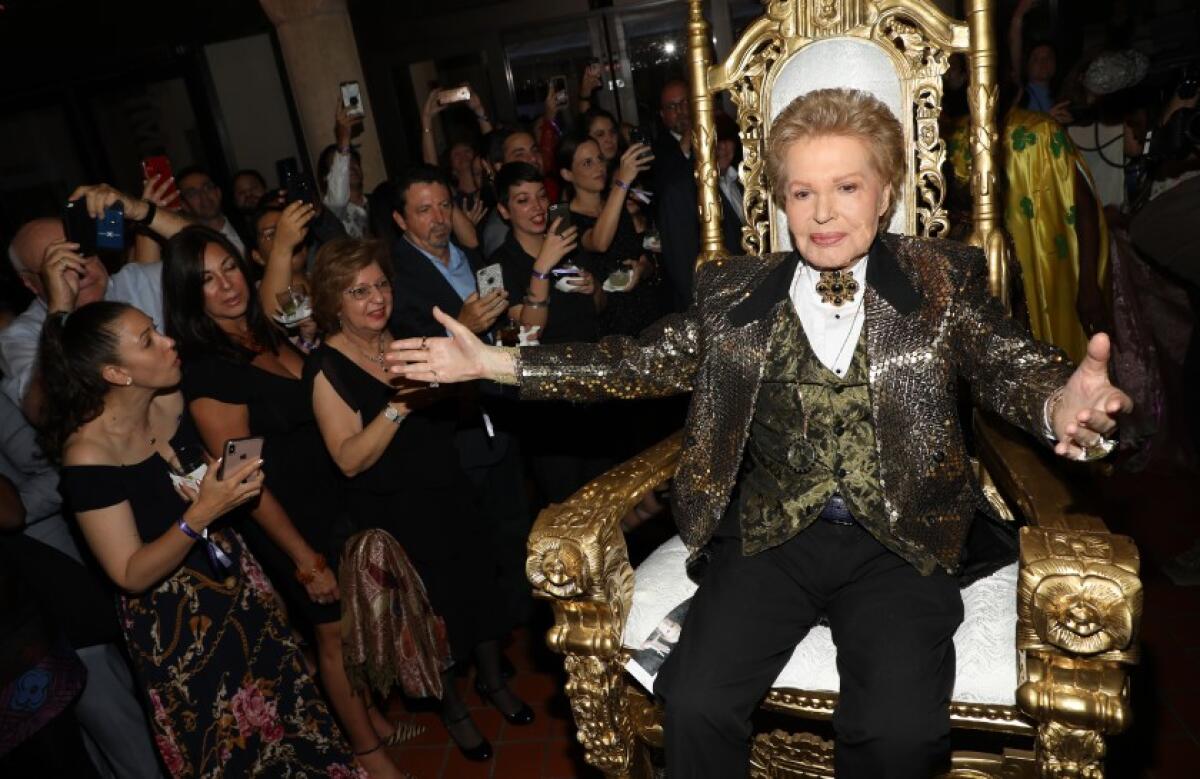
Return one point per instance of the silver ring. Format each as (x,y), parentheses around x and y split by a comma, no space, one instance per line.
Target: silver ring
(434,383)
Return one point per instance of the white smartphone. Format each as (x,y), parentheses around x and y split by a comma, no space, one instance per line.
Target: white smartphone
(352,98)
(489,279)
(237,452)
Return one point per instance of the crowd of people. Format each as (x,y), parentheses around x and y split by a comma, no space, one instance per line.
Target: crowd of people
(197,430)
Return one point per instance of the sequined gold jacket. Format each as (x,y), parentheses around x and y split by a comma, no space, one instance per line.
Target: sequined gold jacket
(929,321)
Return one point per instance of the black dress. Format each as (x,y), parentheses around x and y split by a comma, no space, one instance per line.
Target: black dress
(296,466)
(225,685)
(417,491)
(626,313)
(570,318)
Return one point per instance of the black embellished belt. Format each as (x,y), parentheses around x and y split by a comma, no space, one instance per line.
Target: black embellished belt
(836,511)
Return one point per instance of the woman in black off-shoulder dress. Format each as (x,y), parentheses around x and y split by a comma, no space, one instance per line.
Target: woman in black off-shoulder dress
(224,682)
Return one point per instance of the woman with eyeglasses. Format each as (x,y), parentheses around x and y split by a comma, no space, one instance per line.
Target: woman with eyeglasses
(394,441)
(243,378)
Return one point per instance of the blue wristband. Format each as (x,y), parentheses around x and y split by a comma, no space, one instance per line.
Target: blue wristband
(192,534)
(542,276)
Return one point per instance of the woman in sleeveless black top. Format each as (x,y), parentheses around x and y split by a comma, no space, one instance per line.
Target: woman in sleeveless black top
(398,450)
(243,378)
(225,683)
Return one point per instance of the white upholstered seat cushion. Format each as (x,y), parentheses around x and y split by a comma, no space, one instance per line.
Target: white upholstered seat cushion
(985,644)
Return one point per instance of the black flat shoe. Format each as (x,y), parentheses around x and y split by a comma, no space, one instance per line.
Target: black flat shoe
(480,753)
(522,716)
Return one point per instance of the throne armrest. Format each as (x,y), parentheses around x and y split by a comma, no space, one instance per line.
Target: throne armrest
(576,550)
(1079,601)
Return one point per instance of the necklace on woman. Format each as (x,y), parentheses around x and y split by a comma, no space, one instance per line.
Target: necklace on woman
(376,358)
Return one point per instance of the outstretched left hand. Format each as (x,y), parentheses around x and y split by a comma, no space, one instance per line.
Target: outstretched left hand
(1087,412)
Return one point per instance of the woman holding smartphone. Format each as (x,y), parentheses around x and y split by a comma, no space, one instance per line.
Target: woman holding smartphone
(243,378)
(611,247)
(225,684)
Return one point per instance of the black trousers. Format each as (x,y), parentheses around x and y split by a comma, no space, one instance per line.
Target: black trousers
(893,629)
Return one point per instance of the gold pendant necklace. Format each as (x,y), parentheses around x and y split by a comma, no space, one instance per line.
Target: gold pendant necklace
(836,286)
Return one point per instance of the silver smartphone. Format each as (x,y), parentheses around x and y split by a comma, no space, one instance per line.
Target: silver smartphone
(237,452)
(489,279)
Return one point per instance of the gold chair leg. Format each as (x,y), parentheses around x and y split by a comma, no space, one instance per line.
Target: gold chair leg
(1064,752)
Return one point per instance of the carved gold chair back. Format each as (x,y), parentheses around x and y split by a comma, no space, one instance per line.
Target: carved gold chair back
(899,50)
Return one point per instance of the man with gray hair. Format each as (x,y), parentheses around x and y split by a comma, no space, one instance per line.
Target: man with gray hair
(51,268)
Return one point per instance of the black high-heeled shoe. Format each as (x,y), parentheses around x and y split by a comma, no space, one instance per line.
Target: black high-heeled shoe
(479,753)
(522,716)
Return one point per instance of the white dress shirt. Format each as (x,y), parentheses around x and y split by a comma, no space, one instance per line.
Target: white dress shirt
(138,284)
(728,181)
(832,331)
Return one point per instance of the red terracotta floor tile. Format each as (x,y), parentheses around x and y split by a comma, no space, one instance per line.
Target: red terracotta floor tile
(519,761)
(421,762)
(564,760)
(458,767)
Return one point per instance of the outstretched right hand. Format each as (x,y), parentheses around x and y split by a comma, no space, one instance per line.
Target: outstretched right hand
(461,357)
(217,497)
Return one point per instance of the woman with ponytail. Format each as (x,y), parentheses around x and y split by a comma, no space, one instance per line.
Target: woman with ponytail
(224,682)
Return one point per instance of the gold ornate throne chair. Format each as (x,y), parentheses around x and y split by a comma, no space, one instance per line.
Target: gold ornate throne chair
(1046,643)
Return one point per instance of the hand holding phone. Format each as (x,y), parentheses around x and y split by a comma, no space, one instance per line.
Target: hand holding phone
(560,212)
(218,496)
(165,194)
(352,98)
(490,279)
(237,452)
(457,95)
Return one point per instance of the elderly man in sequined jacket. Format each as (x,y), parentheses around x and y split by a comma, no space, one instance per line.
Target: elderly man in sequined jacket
(824,470)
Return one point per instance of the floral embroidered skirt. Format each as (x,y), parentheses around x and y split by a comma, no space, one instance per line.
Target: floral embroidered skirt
(227,689)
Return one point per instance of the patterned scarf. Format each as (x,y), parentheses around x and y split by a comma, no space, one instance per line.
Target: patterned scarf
(390,634)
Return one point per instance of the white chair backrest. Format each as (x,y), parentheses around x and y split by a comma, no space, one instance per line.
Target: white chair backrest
(852,63)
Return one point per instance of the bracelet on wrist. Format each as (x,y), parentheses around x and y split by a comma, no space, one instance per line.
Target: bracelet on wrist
(151,210)
(536,303)
(192,534)
(344,149)
(306,575)
(540,276)
(621,184)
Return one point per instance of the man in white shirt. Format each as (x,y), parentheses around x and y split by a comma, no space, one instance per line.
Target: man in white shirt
(51,268)
(201,198)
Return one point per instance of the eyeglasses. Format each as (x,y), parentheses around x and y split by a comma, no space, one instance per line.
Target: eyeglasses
(678,105)
(363,291)
(204,188)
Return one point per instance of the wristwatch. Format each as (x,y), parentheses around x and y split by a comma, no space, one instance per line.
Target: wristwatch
(392,415)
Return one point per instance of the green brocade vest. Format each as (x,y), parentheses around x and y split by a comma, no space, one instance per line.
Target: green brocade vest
(812,435)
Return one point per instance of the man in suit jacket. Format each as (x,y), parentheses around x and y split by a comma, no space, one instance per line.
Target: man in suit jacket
(432,270)
(823,467)
(675,190)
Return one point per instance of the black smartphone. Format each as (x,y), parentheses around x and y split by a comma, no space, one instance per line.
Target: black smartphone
(237,452)
(636,136)
(300,188)
(556,211)
(286,169)
(79,227)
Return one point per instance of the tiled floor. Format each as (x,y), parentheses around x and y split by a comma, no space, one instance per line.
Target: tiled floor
(546,749)
(1162,513)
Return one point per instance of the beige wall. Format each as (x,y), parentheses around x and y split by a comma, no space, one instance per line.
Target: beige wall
(250,93)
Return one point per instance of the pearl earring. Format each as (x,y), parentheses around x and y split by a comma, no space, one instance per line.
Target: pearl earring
(128,380)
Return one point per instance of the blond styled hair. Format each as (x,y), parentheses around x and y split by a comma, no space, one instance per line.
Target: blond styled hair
(840,112)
